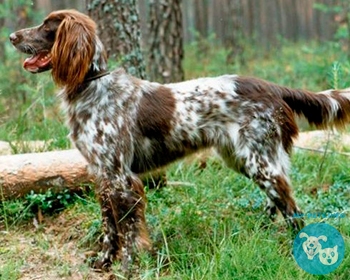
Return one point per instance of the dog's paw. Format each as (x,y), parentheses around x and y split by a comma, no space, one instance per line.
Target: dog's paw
(96,263)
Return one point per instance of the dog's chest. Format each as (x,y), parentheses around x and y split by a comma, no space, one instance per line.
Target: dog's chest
(100,130)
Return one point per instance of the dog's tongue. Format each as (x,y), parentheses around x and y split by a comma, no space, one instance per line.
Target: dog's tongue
(36,62)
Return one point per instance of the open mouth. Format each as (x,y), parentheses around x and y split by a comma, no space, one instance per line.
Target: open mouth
(38,62)
(311,251)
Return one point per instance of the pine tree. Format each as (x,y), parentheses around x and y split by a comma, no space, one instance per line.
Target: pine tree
(119,29)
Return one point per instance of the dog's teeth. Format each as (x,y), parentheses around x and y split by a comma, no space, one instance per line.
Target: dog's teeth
(45,57)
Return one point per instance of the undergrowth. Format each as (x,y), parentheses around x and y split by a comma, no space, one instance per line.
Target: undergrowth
(207,224)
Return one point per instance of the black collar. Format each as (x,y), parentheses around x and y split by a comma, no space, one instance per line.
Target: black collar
(91,76)
(94,76)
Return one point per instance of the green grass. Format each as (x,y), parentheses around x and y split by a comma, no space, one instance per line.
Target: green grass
(208,227)
(302,65)
(214,229)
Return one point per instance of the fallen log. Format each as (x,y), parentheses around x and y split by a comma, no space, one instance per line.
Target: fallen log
(58,170)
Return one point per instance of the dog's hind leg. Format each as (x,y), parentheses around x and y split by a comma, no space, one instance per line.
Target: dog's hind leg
(256,150)
(269,175)
(271,209)
(279,192)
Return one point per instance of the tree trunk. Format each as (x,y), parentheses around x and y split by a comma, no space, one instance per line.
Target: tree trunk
(201,17)
(119,29)
(45,5)
(233,31)
(346,10)
(166,41)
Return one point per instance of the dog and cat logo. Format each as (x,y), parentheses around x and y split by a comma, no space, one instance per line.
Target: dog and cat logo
(319,248)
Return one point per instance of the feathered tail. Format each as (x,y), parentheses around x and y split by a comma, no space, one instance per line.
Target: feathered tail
(324,109)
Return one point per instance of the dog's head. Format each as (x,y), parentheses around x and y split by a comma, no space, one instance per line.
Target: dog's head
(311,245)
(65,42)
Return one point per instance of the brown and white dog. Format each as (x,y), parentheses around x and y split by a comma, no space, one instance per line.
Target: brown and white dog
(125,126)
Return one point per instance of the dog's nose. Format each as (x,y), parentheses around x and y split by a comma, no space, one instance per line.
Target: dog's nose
(13,38)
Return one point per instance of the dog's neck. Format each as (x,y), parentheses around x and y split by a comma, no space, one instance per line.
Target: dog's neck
(99,60)
(93,75)
(98,67)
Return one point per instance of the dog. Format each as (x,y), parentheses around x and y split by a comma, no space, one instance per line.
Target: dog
(125,126)
(311,245)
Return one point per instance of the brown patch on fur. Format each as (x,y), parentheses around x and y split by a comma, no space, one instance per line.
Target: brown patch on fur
(285,203)
(268,94)
(98,136)
(85,116)
(289,129)
(142,240)
(75,127)
(285,198)
(314,107)
(156,112)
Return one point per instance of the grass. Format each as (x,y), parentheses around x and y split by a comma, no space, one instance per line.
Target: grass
(209,227)
(302,65)
(206,226)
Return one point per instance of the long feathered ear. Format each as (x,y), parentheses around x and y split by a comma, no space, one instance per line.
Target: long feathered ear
(73,51)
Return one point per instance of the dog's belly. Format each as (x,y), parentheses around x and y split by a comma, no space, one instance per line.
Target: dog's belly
(159,154)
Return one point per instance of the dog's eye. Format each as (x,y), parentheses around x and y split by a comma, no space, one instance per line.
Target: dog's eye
(46,28)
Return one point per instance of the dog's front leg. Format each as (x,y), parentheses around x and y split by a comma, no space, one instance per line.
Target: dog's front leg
(123,205)
(111,241)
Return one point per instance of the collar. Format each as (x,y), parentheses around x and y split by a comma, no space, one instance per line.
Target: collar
(95,76)
(91,76)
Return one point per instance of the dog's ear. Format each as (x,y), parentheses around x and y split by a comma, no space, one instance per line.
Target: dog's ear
(303,234)
(73,50)
(322,237)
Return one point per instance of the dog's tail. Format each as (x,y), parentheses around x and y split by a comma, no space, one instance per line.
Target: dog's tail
(324,109)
